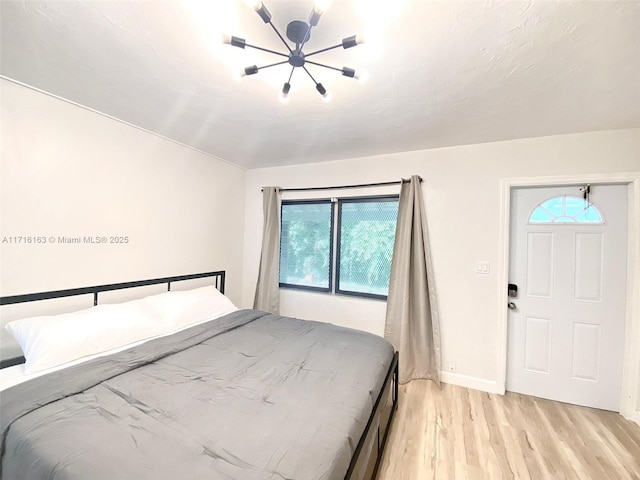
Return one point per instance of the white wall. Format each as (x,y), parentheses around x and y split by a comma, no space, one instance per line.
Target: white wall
(68,171)
(462,191)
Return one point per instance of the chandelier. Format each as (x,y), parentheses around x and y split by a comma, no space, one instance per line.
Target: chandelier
(299,33)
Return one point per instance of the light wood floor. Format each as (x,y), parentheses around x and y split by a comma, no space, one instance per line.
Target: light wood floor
(457,433)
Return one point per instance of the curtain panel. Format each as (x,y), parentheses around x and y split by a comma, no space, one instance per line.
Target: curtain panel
(412,323)
(267,296)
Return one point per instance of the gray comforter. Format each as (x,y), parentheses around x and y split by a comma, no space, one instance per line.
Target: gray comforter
(248,396)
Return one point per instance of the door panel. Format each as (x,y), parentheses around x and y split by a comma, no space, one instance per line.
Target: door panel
(566,336)
(537,345)
(585,352)
(589,262)
(540,264)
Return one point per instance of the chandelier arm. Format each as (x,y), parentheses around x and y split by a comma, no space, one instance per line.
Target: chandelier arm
(310,76)
(273,65)
(306,38)
(323,65)
(322,50)
(267,50)
(291,74)
(279,35)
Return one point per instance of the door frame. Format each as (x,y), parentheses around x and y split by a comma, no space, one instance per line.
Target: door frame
(630,395)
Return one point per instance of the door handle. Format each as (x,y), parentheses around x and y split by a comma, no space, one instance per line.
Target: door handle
(512,306)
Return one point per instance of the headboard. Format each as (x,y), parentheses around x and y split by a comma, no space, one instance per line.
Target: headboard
(218,280)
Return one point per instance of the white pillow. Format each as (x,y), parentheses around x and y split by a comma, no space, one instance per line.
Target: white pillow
(48,341)
(180,309)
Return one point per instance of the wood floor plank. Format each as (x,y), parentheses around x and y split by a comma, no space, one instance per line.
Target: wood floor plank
(461,434)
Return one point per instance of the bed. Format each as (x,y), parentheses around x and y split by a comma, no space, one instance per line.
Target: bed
(244,395)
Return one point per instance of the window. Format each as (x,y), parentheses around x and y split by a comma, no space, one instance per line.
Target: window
(362,231)
(565,209)
(306,249)
(365,245)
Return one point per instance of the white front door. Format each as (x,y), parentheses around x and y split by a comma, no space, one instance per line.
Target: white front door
(566,324)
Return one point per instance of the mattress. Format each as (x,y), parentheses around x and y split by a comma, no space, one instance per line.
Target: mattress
(249,395)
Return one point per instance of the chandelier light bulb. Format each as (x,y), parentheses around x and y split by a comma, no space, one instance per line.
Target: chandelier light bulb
(284,94)
(233,41)
(362,75)
(237,75)
(326,96)
(321,6)
(321,90)
(255,4)
(348,72)
(352,41)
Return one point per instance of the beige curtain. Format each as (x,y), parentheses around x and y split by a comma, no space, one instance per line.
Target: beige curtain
(267,290)
(412,324)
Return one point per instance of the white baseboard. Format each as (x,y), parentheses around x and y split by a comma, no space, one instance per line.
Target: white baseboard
(470,382)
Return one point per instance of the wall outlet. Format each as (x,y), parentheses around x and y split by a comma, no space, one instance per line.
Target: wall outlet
(452,367)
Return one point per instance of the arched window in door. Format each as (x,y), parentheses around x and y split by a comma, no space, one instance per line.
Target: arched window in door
(566,209)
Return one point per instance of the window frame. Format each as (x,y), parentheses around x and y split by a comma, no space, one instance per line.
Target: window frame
(310,288)
(335,232)
(341,201)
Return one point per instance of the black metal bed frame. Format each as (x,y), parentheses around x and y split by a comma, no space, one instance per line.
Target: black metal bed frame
(380,407)
(219,280)
(33,297)
(381,441)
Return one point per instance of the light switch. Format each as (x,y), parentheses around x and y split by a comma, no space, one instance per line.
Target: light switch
(482,268)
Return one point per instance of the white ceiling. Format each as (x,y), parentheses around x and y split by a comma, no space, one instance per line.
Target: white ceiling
(441,72)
